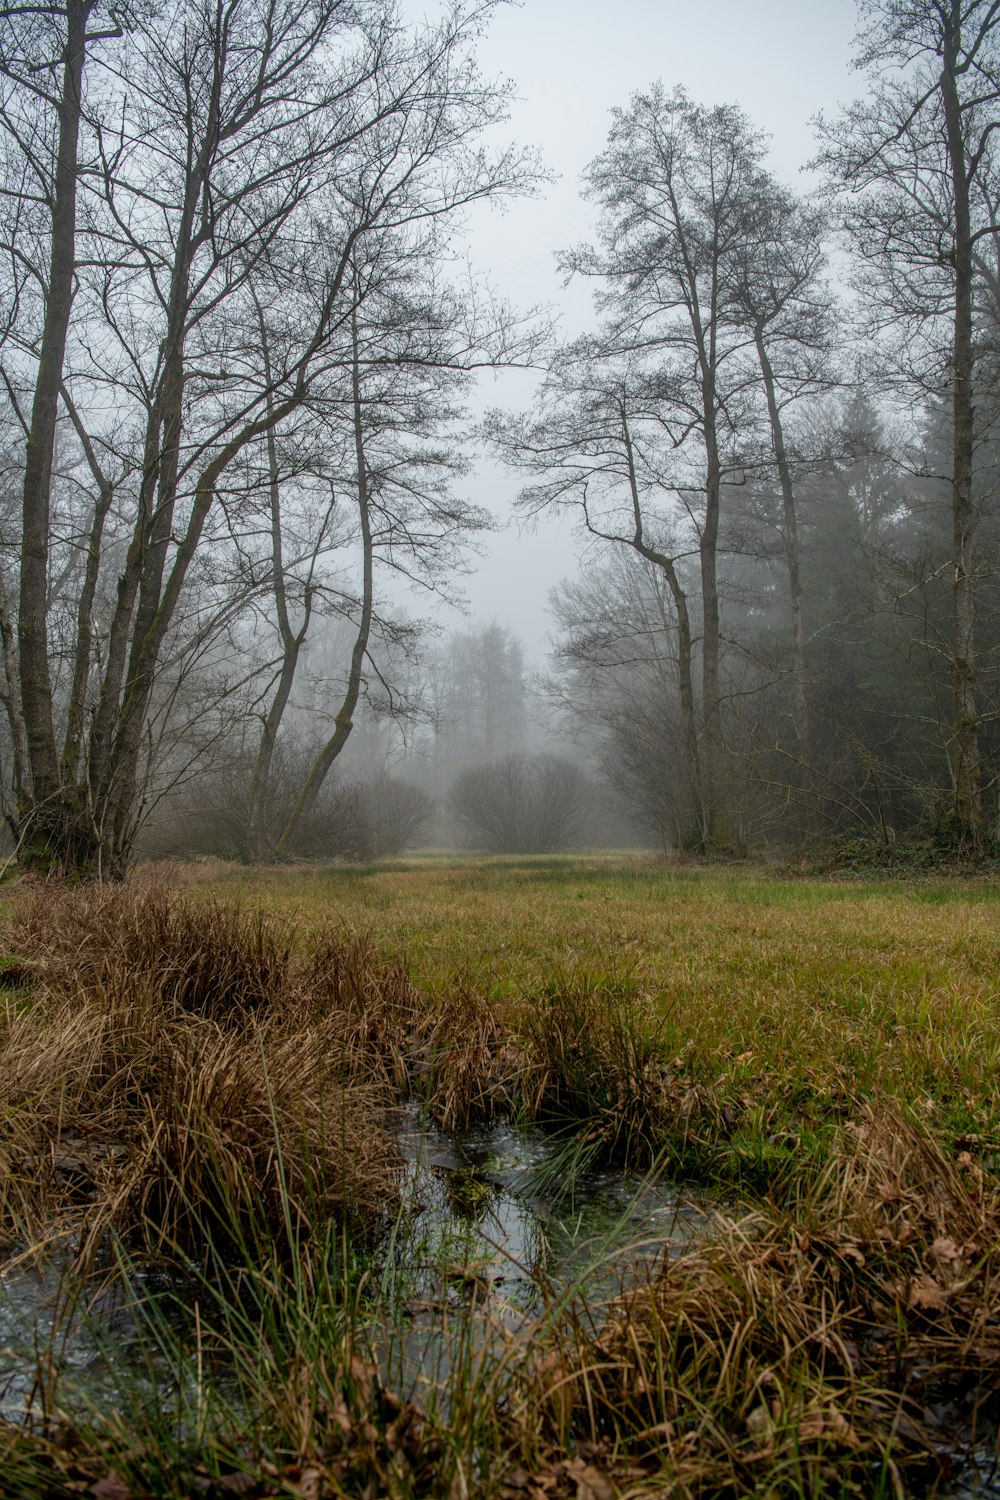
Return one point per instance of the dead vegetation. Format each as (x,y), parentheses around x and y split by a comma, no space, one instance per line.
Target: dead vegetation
(174,1074)
(182,1079)
(849,1344)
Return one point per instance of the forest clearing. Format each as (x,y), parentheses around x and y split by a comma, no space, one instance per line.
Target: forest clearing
(588,1177)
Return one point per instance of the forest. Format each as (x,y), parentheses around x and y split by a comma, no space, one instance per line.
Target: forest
(240,345)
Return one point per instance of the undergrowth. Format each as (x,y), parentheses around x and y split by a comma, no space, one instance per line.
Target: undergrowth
(199,1106)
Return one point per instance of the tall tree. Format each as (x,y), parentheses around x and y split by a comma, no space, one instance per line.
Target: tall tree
(916,162)
(676,186)
(777,278)
(43,51)
(595,444)
(242,160)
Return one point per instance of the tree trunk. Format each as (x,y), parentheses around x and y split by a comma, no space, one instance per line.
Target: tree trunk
(800,704)
(73,742)
(44,813)
(717,831)
(291,646)
(344,721)
(965,759)
(685,673)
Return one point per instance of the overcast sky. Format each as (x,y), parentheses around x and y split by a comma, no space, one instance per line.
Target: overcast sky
(571,62)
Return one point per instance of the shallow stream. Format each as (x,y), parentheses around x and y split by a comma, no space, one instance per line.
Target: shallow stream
(491,1225)
(504,1222)
(498,1227)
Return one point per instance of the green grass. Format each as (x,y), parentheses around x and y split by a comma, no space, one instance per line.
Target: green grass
(823,1052)
(784,988)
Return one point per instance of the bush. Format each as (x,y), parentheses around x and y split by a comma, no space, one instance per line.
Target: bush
(363,820)
(352,819)
(521,804)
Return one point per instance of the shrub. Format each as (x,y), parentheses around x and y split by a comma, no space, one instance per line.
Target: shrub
(521,804)
(363,820)
(352,819)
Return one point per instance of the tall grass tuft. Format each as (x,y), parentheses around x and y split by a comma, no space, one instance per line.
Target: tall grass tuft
(599,1054)
(844,1345)
(175,1065)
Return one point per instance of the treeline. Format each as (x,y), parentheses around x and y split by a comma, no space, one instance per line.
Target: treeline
(473,763)
(236,331)
(793,627)
(237,335)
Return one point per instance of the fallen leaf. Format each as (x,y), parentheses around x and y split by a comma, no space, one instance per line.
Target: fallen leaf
(925,1293)
(111,1487)
(759,1422)
(840,1428)
(944,1250)
(311,1483)
(812,1426)
(238,1483)
(591,1484)
(660,1430)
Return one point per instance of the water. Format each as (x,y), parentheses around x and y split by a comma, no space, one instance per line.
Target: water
(64,1342)
(497,1233)
(490,1232)
(507,1199)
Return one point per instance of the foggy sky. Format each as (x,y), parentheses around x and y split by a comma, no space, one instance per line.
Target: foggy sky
(572,62)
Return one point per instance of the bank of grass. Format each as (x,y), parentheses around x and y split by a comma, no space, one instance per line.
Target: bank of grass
(201,1075)
(785,996)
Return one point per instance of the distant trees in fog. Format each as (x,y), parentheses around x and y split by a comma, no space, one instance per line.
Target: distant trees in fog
(799,632)
(235,340)
(523,804)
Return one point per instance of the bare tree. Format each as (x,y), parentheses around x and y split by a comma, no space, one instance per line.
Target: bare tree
(595,444)
(677,185)
(43,51)
(615,686)
(778,283)
(242,161)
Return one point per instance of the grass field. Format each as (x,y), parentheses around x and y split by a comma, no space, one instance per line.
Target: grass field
(801,987)
(199,1074)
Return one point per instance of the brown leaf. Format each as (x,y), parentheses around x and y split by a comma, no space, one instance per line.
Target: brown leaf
(944,1250)
(591,1484)
(759,1423)
(311,1482)
(839,1427)
(812,1426)
(111,1487)
(238,1483)
(925,1293)
(665,1430)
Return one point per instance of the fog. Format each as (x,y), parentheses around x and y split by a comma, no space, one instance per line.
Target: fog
(571,65)
(367,484)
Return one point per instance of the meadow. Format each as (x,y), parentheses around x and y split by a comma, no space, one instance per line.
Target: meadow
(203,1076)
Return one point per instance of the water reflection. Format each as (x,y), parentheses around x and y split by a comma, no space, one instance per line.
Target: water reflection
(501,1228)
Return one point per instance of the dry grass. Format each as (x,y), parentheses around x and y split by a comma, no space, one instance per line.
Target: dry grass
(187,1071)
(831,1348)
(786,998)
(176,1077)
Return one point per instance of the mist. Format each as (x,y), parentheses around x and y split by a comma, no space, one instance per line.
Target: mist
(453,432)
